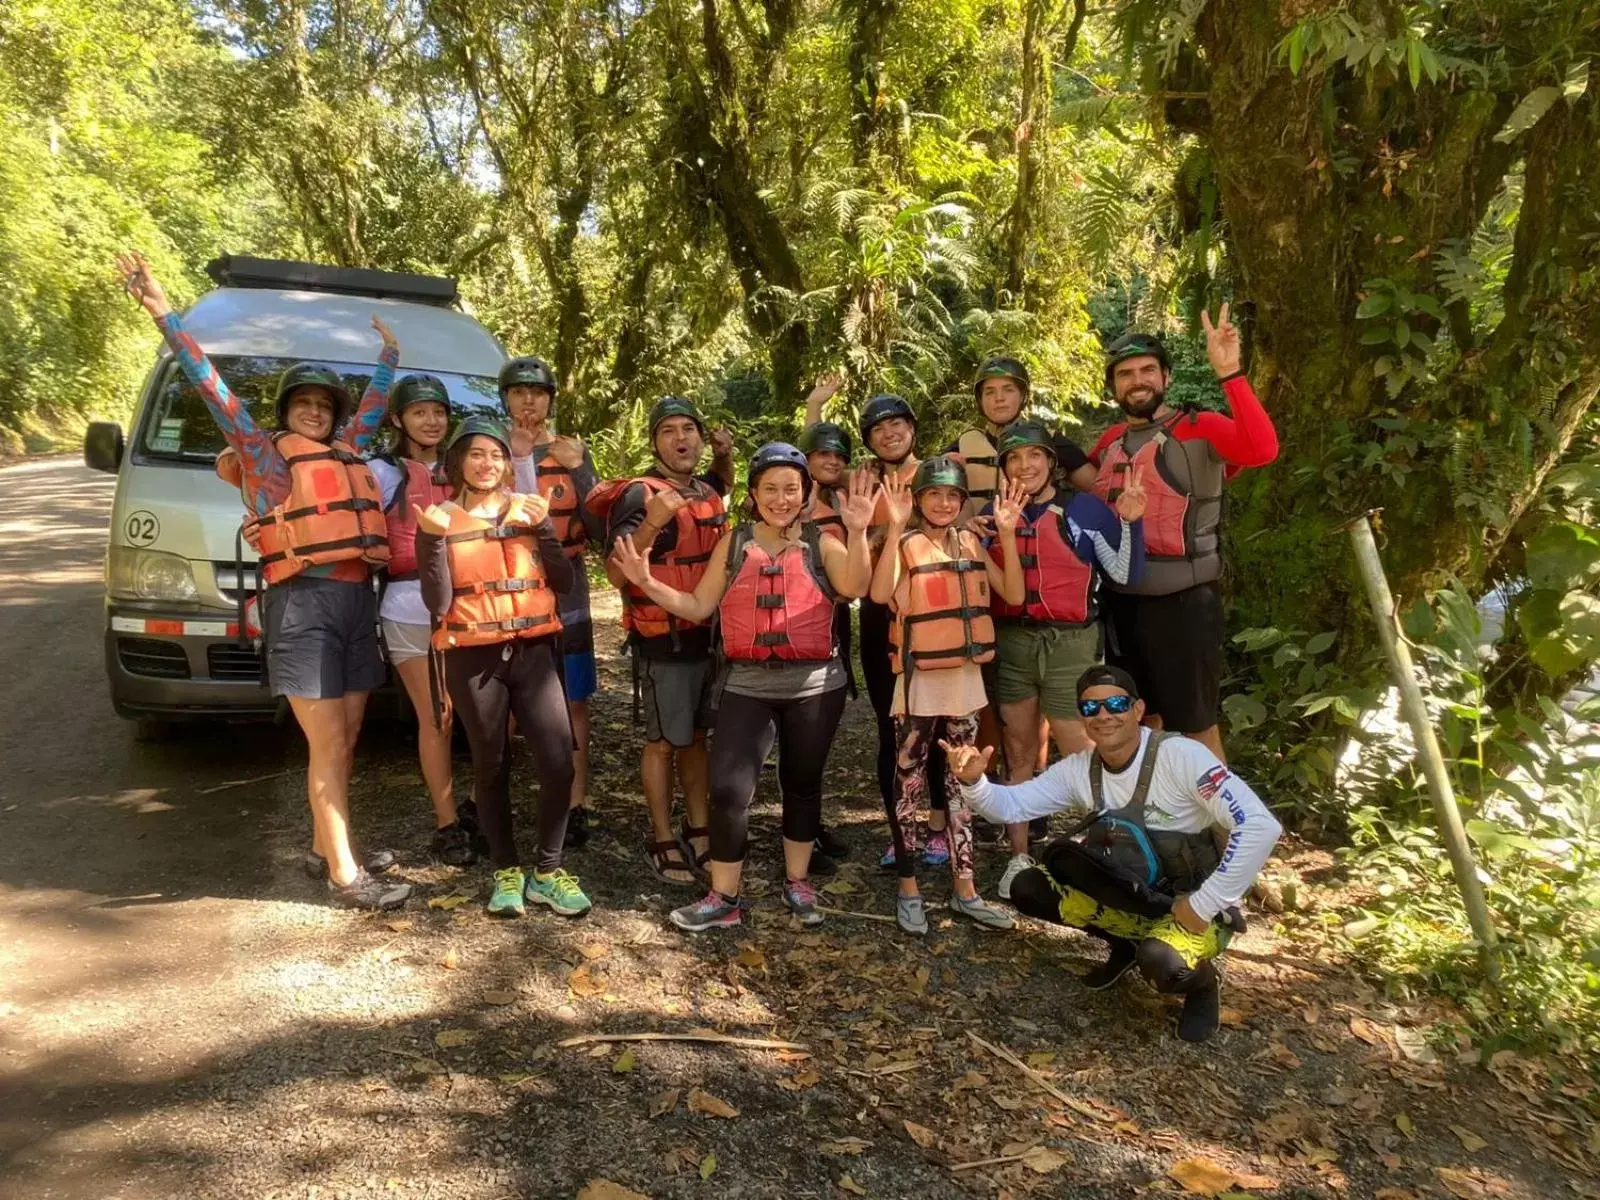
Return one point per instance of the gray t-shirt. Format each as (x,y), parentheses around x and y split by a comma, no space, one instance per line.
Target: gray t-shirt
(792,681)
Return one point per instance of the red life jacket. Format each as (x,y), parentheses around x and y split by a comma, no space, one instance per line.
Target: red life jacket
(1184,484)
(419,485)
(777,608)
(699,525)
(824,513)
(556,486)
(1060,585)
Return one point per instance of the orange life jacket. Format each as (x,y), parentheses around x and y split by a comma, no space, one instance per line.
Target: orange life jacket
(333,513)
(556,486)
(824,513)
(498,586)
(1060,585)
(777,607)
(699,525)
(423,486)
(946,621)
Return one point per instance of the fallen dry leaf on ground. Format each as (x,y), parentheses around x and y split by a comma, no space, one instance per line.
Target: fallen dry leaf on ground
(846,1146)
(921,1134)
(453,900)
(711,1106)
(664,1103)
(623,1063)
(708,1165)
(1472,1184)
(584,984)
(1470,1142)
(1042,1160)
(851,1186)
(604,1189)
(500,999)
(1201,1176)
(449,1039)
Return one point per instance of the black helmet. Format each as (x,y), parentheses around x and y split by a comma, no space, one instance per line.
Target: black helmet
(881,408)
(1001,366)
(306,374)
(673,406)
(826,437)
(939,471)
(778,454)
(1135,345)
(418,389)
(1019,434)
(534,372)
(479,425)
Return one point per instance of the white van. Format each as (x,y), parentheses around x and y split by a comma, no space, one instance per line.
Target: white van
(179,609)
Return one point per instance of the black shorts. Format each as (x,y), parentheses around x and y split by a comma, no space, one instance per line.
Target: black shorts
(322,638)
(1172,646)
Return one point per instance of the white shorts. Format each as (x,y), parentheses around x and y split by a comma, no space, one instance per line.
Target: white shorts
(405,642)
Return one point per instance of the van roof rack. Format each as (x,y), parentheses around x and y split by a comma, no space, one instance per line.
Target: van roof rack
(246,271)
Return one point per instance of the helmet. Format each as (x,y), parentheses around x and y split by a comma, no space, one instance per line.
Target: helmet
(673,406)
(1019,434)
(306,374)
(479,425)
(826,437)
(418,389)
(1135,345)
(1001,366)
(534,372)
(778,454)
(881,408)
(939,471)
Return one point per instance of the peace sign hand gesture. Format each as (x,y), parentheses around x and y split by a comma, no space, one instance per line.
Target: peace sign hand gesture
(967,763)
(1008,507)
(860,502)
(1131,502)
(1222,342)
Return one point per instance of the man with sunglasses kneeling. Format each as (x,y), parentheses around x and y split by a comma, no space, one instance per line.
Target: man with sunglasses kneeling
(1141,871)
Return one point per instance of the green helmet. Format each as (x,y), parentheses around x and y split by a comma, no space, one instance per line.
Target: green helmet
(883,407)
(1019,434)
(307,374)
(529,370)
(1001,366)
(673,406)
(479,425)
(827,438)
(1135,345)
(939,471)
(418,389)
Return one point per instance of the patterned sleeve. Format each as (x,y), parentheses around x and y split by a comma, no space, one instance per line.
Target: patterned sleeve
(369,414)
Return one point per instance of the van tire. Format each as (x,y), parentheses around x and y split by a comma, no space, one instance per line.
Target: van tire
(153,729)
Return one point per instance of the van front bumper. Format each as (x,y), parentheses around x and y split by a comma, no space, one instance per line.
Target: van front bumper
(180,665)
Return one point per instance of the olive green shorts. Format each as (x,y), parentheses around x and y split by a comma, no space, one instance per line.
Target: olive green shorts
(1043,662)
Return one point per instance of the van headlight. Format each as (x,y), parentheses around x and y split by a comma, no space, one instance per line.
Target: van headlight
(148,575)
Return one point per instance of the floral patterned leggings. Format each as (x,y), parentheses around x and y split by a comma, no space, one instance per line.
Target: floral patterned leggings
(915,739)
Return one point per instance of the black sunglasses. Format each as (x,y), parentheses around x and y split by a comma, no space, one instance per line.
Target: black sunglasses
(1115,705)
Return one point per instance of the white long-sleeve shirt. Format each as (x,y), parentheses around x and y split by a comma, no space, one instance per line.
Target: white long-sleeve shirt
(1189,792)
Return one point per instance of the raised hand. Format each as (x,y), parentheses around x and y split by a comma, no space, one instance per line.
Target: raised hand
(434,519)
(826,387)
(521,442)
(1131,503)
(635,567)
(140,283)
(527,508)
(663,507)
(898,500)
(860,502)
(1008,503)
(967,763)
(568,451)
(387,334)
(1222,342)
(721,442)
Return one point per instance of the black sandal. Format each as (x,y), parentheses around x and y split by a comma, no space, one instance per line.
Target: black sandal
(658,852)
(686,833)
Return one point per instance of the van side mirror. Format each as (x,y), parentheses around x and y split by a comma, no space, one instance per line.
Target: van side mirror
(102,446)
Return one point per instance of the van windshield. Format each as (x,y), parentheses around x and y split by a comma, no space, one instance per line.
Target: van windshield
(178,425)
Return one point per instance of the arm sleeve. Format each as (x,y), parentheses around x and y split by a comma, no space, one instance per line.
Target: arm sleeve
(265,473)
(1099,536)
(558,572)
(525,475)
(717,482)
(584,480)
(389,478)
(1013,803)
(369,414)
(1247,438)
(433,571)
(1230,802)
(1069,455)
(627,514)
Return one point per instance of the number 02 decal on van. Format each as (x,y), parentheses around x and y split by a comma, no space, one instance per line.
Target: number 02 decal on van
(141,528)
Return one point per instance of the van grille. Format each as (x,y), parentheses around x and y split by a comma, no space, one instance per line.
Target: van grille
(146,656)
(234,662)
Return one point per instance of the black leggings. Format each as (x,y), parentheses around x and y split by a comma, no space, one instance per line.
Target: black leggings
(740,743)
(878,673)
(487,684)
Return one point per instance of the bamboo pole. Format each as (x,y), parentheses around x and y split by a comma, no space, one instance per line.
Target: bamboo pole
(1415,709)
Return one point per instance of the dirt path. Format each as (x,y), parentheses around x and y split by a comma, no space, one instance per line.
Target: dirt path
(180,1017)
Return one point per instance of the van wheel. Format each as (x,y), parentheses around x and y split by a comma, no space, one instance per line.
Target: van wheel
(153,729)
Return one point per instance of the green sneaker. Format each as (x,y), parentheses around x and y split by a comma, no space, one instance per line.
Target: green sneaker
(507,898)
(560,891)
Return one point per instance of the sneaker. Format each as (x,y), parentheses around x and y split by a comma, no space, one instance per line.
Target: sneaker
(366,891)
(1122,958)
(507,898)
(937,852)
(1038,829)
(452,846)
(1202,1007)
(976,910)
(801,898)
(376,863)
(709,912)
(467,818)
(888,862)
(577,828)
(831,844)
(560,891)
(1018,864)
(822,863)
(909,916)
